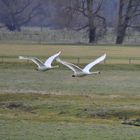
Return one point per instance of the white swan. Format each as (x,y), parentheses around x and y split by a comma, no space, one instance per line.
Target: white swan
(42,66)
(78,72)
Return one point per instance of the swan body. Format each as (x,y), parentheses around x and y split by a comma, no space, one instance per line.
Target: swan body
(78,72)
(42,66)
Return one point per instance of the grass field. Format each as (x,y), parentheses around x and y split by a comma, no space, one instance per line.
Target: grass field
(115,54)
(54,106)
(86,51)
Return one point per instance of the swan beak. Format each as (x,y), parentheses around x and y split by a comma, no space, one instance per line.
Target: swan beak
(73,75)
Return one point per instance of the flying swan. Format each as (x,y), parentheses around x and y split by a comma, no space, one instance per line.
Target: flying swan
(42,66)
(78,72)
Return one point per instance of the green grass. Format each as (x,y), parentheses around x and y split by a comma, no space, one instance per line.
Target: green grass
(53,105)
(69,51)
(74,53)
(24,130)
(68,107)
(114,80)
(55,117)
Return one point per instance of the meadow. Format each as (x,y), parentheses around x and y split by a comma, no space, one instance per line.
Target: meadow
(53,105)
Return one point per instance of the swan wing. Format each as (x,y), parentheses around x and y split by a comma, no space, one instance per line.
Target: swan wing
(71,66)
(33,59)
(49,61)
(90,65)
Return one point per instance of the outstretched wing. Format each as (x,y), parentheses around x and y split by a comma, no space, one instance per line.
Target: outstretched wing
(33,59)
(49,61)
(90,65)
(70,65)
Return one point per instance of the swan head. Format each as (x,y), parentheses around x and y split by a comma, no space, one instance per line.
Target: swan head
(37,69)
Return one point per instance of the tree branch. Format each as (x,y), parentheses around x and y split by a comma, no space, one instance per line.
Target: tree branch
(5,2)
(81,28)
(31,15)
(78,9)
(103,19)
(24,7)
(134,26)
(98,8)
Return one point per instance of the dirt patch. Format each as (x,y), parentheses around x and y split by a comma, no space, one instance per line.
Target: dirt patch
(135,122)
(16,105)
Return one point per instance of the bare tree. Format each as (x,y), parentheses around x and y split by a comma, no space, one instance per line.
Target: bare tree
(60,17)
(128,11)
(15,13)
(90,13)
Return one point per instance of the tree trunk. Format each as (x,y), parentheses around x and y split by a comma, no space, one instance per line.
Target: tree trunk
(92,35)
(13,27)
(123,20)
(18,28)
(120,35)
(92,28)
(10,27)
(120,31)
(120,39)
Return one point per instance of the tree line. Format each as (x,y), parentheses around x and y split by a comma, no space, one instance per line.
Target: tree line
(88,15)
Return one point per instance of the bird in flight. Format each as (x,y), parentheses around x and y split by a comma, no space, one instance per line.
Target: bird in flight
(78,72)
(42,66)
